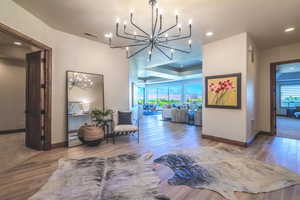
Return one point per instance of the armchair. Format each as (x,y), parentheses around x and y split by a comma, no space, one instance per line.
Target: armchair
(126,129)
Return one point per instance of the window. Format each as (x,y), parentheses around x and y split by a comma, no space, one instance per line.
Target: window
(193,94)
(141,95)
(152,95)
(290,95)
(162,96)
(175,95)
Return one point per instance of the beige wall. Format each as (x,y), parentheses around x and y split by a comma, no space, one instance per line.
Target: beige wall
(12,92)
(72,53)
(282,53)
(225,57)
(252,68)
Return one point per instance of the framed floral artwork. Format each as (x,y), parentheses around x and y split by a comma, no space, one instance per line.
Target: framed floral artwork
(223,91)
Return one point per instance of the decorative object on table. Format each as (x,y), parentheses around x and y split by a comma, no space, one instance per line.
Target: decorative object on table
(157,39)
(225,170)
(223,91)
(126,123)
(122,177)
(91,135)
(85,91)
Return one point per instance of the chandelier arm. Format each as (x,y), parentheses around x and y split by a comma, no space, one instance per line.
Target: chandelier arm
(156,18)
(171,36)
(128,38)
(160,24)
(175,49)
(179,38)
(133,24)
(170,58)
(138,51)
(130,34)
(129,45)
(168,29)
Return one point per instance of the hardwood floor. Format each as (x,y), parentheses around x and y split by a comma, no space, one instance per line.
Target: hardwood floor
(288,127)
(158,137)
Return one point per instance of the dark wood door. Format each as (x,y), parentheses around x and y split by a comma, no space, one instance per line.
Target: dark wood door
(33,101)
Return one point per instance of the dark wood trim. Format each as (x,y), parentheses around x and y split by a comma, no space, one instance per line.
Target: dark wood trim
(12,131)
(273,125)
(237,143)
(59,145)
(228,141)
(239,89)
(48,78)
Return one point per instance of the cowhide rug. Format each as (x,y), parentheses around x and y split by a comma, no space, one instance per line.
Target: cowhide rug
(124,177)
(225,171)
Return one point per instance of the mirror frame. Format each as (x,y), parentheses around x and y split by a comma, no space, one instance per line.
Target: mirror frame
(67,100)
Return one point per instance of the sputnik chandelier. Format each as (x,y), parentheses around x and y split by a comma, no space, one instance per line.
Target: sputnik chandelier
(158,38)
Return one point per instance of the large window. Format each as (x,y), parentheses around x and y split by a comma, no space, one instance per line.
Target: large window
(175,93)
(141,95)
(162,96)
(152,95)
(290,95)
(193,93)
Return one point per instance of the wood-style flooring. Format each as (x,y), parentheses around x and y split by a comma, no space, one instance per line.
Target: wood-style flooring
(158,137)
(288,127)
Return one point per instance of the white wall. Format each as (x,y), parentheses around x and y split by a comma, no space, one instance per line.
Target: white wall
(226,57)
(72,53)
(252,92)
(277,54)
(12,94)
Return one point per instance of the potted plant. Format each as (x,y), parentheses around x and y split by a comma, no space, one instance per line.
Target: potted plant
(100,116)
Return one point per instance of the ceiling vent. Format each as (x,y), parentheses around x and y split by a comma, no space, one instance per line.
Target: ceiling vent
(91,35)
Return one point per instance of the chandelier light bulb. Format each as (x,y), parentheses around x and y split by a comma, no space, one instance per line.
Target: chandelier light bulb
(125,23)
(167,35)
(118,20)
(172,50)
(127,48)
(176,12)
(190,42)
(190,21)
(150,52)
(131,10)
(161,12)
(134,33)
(108,35)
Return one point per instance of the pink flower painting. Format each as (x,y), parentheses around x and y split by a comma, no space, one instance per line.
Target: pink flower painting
(220,90)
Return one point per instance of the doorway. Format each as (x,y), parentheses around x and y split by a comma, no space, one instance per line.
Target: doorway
(285,99)
(35,58)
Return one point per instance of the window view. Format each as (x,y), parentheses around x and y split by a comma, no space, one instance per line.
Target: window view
(193,94)
(175,93)
(141,95)
(290,95)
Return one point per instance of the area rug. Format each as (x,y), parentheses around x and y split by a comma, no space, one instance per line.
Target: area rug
(225,171)
(124,177)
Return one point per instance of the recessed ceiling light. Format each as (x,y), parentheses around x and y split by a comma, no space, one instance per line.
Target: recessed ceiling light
(290,29)
(17,43)
(208,34)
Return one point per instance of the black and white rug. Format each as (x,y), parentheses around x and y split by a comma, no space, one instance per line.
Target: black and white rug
(225,171)
(124,177)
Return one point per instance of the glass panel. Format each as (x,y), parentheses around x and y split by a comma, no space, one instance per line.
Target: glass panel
(141,95)
(193,94)
(290,95)
(152,95)
(175,95)
(162,96)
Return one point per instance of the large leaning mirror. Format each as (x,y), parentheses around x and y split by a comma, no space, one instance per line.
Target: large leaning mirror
(85,92)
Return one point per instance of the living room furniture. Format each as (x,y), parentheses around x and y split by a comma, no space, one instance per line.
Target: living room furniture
(297,112)
(198,118)
(167,113)
(126,129)
(85,91)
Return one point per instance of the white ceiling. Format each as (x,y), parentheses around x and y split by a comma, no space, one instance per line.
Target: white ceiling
(264,20)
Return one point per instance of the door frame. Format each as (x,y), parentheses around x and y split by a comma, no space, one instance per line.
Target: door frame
(273,91)
(48,79)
